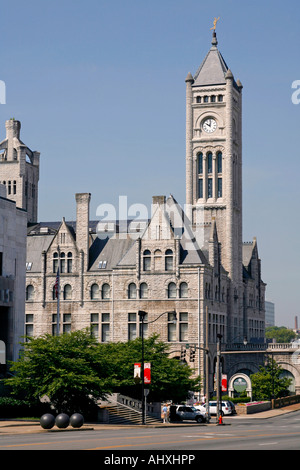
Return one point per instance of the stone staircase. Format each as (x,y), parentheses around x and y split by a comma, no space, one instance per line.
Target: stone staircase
(119,413)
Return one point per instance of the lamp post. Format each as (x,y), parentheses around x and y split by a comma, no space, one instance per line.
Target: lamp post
(142,319)
(218,377)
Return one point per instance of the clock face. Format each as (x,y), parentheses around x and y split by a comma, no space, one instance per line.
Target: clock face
(209,125)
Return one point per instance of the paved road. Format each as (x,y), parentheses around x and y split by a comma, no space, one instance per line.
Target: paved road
(276,433)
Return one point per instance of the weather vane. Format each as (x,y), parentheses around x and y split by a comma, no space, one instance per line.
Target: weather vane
(215,24)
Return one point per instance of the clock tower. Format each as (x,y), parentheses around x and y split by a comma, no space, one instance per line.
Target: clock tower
(214,158)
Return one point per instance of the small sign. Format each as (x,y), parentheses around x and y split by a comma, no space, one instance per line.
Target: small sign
(147,373)
(137,371)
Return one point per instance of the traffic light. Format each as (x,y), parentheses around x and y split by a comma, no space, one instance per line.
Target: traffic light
(192,355)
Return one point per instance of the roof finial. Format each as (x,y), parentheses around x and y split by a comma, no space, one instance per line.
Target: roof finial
(214,39)
(215,24)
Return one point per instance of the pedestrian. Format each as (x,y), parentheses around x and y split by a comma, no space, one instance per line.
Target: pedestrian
(165,413)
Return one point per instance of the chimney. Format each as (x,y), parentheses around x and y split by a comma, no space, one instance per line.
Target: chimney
(82,225)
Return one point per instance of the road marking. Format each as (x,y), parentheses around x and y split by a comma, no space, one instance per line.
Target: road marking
(268,444)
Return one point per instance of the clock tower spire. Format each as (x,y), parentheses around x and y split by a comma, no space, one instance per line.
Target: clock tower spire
(214,157)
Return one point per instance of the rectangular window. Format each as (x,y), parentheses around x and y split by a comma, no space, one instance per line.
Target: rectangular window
(209,188)
(131,326)
(209,163)
(95,325)
(183,327)
(29,325)
(220,187)
(200,189)
(171,328)
(105,327)
(200,164)
(66,322)
(145,326)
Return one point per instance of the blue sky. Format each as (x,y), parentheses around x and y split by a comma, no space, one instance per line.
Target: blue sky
(99,87)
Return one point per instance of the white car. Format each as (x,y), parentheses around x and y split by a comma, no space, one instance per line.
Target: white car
(226,408)
(190,413)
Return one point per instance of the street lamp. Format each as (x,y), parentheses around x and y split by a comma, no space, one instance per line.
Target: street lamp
(218,377)
(142,316)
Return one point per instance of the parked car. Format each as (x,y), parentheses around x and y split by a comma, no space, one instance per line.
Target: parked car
(183,412)
(226,408)
(232,407)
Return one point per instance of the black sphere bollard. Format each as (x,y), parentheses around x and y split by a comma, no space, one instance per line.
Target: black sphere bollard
(76,420)
(47,421)
(62,421)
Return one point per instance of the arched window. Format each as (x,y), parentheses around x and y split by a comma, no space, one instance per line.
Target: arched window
(55,262)
(70,262)
(205,99)
(209,162)
(105,291)
(219,161)
(95,292)
(132,291)
(143,291)
(198,99)
(183,290)
(147,260)
(200,163)
(220,98)
(29,293)
(169,260)
(213,99)
(67,292)
(172,290)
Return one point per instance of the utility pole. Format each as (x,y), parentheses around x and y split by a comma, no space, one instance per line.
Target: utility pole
(218,379)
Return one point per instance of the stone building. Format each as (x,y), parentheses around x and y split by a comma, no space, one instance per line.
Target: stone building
(13,230)
(191,261)
(19,170)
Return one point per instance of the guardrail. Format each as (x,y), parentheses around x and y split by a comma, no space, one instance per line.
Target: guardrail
(285,401)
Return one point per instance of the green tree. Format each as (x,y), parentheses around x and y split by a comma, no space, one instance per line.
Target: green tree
(268,382)
(280,334)
(169,378)
(73,370)
(65,368)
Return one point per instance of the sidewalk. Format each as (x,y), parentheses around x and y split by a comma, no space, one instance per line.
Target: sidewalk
(25,427)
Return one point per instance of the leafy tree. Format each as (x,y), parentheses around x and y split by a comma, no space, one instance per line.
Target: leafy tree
(64,368)
(169,378)
(73,370)
(268,382)
(281,334)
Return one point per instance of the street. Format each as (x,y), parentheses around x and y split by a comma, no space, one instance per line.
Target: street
(278,433)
